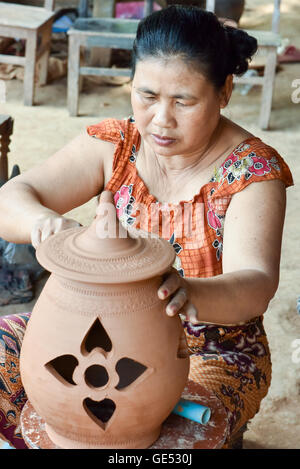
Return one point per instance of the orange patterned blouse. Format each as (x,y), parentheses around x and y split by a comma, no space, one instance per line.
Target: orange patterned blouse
(193,227)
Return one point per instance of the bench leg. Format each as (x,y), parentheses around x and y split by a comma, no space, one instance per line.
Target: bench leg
(268,87)
(30,66)
(44,59)
(73,75)
(148,7)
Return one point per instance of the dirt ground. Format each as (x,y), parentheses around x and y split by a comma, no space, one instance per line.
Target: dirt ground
(41,130)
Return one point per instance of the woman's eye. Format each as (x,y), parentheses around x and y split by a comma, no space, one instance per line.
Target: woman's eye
(149,98)
(179,103)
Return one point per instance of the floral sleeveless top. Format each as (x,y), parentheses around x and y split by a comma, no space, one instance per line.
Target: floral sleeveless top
(195,227)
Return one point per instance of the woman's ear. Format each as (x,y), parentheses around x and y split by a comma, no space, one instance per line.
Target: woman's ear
(226,91)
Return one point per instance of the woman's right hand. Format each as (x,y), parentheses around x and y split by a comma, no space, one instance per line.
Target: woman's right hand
(49,224)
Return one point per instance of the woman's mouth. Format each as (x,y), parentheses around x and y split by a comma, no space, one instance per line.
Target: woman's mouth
(163,141)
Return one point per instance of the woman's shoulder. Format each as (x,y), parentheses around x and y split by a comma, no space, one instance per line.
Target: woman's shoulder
(114,130)
(251,161)
(125,140)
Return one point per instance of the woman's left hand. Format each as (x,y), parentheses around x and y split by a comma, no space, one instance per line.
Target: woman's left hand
(176,288)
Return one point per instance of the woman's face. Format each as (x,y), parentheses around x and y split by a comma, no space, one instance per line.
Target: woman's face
(175,107)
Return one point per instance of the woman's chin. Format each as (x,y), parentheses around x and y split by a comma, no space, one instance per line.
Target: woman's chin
(163,149)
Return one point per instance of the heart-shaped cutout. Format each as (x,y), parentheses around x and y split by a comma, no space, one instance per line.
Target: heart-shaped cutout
(100,411)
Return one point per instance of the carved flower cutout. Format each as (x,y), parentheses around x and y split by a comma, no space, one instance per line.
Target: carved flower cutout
(96,375)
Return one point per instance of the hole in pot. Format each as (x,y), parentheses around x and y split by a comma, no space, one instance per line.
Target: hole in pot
(128,371)
(63,368)
(101,412)
(182,351)
(96,376)
(96,337)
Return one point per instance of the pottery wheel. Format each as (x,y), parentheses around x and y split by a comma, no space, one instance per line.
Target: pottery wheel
(177,432)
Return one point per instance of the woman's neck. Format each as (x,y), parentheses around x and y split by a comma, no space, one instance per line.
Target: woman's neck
(198,160)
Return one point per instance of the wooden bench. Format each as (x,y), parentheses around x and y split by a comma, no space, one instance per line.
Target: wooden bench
(112,33)
(268,41)
(100,34)
(35,25)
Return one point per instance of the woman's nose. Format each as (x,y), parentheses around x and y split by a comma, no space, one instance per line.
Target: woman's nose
(163,116)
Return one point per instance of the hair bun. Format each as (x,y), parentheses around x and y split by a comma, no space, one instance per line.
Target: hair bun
(241,48)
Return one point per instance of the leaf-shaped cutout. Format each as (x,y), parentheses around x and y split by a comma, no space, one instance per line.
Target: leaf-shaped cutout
(96,337)
(63,368)
(101,412)
(128,370)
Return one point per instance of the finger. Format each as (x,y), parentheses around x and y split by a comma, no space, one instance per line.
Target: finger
(46,233)
(65,225)
(55,226)
(169,286)
(46,228)
(35,237)
(177,302)
(189,311)
(69,223)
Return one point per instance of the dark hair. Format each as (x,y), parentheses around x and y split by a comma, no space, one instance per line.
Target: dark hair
(198,38)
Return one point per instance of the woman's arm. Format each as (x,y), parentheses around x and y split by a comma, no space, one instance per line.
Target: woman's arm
(68,179)
(251,260)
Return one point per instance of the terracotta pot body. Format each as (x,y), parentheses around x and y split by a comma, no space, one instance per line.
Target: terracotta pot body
(101,362)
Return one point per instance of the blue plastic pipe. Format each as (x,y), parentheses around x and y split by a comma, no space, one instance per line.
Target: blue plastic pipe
(192,411)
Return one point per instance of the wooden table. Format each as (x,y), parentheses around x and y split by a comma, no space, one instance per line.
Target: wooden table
(6,129)
(177,432)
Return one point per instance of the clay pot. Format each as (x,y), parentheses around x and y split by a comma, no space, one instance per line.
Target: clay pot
(101,362)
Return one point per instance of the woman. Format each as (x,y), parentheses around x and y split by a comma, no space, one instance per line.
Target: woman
(178,152)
